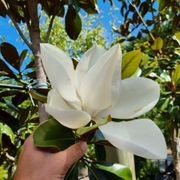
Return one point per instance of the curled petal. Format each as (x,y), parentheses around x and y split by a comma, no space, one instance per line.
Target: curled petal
(141,137)
(59,69)
(96,87)
(69,117)
(137,96)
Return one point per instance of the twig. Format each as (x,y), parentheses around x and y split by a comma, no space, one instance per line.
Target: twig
(10,86)
(49,28)
(16,26)
(20,32)
(10,157)
(145,25)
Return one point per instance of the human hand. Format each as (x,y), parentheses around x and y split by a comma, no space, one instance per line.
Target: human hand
(36,164)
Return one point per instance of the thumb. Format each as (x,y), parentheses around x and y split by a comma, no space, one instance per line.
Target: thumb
(73,153)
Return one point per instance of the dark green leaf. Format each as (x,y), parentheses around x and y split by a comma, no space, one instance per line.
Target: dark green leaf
(9,120)
(7,71)
(19,98)
(73,23)
(90,6)
(10,54)
(144,8)
(72,174)
(22,56)
(100,152)
(52,134)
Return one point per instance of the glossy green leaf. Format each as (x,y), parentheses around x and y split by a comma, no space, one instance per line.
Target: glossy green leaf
(38,96)
(130,63)
(117,169)
(73,23)
(158,44)
(6,70)
(176,75)
(177,37)
(52,134)
(10,54)
(5,129)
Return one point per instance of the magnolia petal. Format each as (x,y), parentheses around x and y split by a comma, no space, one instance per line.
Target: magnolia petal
(96,87)
(141,137)
(137,96)
(59,69)
(68,117)
(89,59)
(56,100)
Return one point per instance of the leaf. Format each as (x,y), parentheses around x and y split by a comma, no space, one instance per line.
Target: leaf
(177,37)
(130,63)
(73,23)
(84,130)
(90,6)
(38,96)
(22,57)
(117,169)
(72,174)
(5,129)
(9,120)
(52,134)
(100,152)
(10,54)
(144,7)
(6,69)
(162,4)
(158,44)
(19,98)
(176,75)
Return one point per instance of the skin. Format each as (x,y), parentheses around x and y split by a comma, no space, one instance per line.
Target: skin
(36,164)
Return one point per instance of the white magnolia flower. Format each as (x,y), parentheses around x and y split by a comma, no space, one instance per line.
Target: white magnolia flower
(95,90)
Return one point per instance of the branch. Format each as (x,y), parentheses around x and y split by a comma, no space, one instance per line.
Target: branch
(16,25)
(145,25)
(49,29)
(10,86)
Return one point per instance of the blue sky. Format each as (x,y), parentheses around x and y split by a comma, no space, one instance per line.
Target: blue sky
(107,15)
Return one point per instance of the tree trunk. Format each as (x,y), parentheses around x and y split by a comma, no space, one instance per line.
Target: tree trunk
(175,153)
(34,32)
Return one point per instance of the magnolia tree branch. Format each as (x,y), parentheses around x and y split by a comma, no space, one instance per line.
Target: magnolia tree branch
(49,28)
(144,23)
(34,32)
(16,26)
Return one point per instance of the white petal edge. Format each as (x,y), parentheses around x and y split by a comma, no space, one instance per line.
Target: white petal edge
(137,96)
(141,137)
(70,118)
(96,87)
(59,69)
(89,58)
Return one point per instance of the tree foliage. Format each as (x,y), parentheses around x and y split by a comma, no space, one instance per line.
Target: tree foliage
(149,36)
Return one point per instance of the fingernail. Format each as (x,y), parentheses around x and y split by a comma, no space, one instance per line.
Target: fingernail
(83,146)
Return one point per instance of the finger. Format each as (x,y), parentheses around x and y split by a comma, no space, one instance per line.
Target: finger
(73,153)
